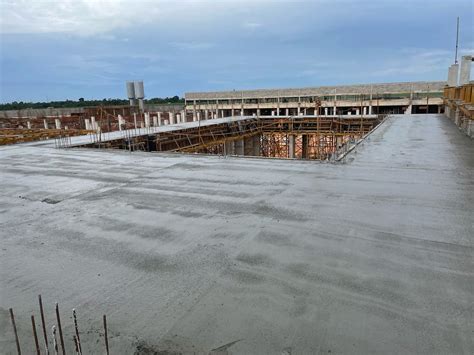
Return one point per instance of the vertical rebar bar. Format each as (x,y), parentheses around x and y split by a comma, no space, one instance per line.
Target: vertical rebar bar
(61,338)
(14,331)
(105,335)
(43,325)
(77,331)
(35,335)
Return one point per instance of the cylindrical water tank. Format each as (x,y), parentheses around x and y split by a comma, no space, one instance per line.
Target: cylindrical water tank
(130,90)
(139,90)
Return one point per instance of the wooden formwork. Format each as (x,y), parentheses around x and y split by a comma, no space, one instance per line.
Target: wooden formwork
(12,136)
(461,98)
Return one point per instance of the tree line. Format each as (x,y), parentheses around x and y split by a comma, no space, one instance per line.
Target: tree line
(15,105)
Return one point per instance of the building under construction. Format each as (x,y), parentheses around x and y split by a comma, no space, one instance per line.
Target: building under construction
(304,221)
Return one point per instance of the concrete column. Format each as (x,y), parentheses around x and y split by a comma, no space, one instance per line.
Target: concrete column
(291,146)
(135,120)
(304,112)
(239,147)
(357,112)
(273,113)
(298,110)
(120,122)
(171,117)
(287,112)
(142,124)
(256,145)
(88,124)
(183,116)
(232,114)
(167,122)
(195,114)
(465,73)
(147,120)
(278,111)
(159,118)
(28,124)
(325,111)
(155,121)
(66,127)
(370,109)
(334,111)
(453,75)
(457,119)
(206,114)
(364,110)
(242,112)
(45,124)
(258,112)
(57,122)
(447,112)
(178,118)
(198,116)
(229,148)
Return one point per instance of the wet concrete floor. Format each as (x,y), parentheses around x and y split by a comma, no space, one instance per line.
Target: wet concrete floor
(187,254)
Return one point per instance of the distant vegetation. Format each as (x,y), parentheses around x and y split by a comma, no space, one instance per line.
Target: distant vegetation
(83,103)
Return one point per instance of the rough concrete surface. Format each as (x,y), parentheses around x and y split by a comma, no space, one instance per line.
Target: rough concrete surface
(190,253)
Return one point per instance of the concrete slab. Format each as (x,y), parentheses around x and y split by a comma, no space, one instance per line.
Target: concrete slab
(189,253)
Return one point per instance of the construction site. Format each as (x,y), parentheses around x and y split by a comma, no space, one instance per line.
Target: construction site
(335,219)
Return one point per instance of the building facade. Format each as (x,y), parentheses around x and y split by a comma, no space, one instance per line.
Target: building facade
(409,97)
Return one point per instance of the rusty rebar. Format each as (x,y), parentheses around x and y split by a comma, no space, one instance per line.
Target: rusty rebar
(45,334)
(61,338)
(14,331)
(35,335)
(105,336)
(76,328)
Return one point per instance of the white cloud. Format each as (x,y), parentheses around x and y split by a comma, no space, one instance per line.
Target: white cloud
(90,17)
(81,17)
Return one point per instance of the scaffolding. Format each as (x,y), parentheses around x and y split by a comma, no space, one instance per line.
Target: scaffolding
(300,137)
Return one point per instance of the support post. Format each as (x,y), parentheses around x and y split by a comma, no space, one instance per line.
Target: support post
(291,146)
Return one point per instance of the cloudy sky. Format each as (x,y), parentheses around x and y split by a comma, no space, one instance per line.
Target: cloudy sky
(52,50)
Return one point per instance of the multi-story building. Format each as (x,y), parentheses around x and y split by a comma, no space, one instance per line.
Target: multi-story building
(409,97)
